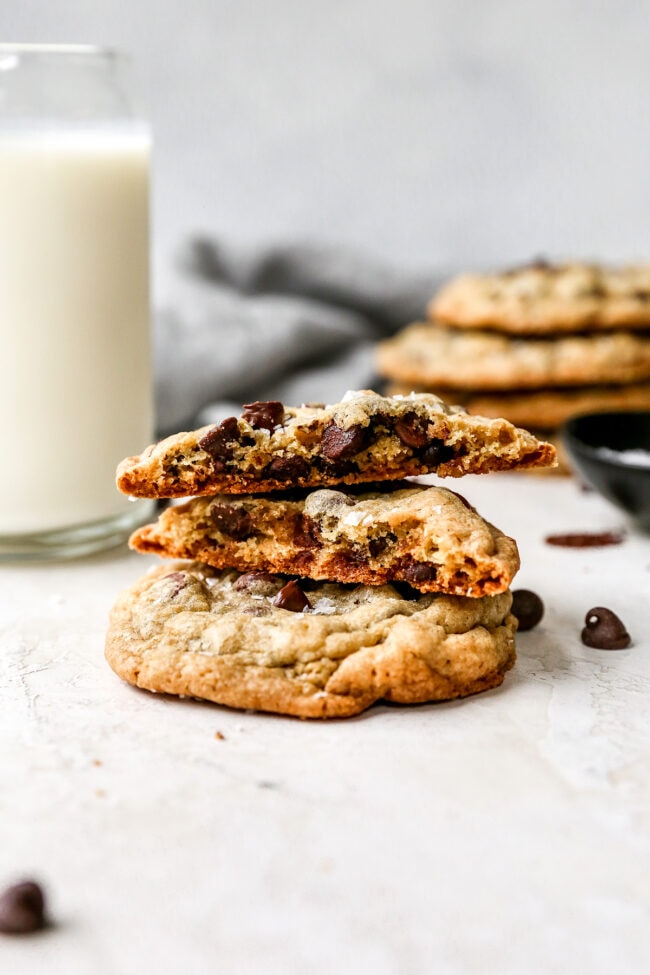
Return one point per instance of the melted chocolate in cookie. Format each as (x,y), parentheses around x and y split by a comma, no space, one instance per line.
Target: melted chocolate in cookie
(264,415)
(338,443)
(231,520)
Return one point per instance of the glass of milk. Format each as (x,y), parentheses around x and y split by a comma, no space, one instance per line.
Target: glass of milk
(76,390)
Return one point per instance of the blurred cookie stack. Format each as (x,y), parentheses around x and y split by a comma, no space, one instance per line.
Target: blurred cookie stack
(536,344)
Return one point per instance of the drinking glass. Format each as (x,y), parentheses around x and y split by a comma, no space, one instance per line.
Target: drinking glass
(76,393)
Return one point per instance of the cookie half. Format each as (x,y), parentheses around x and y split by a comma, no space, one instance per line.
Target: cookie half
(225,637)
(428,354)
(544,409)
(428,537)
(364,438)
(541,298)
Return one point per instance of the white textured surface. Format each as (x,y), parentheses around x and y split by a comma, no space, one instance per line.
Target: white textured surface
(509,833)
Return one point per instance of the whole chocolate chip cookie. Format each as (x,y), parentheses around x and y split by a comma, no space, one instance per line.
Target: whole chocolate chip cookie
(365,437)
(429,354)
(428,537)
(544,409)
(547,298)
(311,650)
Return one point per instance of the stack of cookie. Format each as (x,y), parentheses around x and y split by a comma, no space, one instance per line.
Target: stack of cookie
(315,580)
(537,344)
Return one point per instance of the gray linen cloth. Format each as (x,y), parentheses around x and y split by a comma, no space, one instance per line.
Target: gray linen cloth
(295,322)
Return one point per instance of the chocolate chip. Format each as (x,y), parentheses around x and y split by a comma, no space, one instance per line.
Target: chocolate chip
(527,607)
(411,430)
(536,264)
(354,556)
(641,295)
(260,583)
(419,572)
(604,630)
(585,539)
(264,415)
(221,440)
(305,532)
(231,520)
(22,908)
(177,581)
(541,264)
(435,453)
(336,468)
(379,544)
(287,469)
(381,419)
(338,443)
(292,597)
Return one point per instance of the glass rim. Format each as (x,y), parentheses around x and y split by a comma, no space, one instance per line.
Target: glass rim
(64,50)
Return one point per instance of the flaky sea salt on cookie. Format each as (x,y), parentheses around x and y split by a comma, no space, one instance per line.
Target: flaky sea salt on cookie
(366,437)
(428,537)
(542,297)
(263,642)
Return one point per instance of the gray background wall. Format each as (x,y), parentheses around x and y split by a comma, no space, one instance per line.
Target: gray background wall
(431,132)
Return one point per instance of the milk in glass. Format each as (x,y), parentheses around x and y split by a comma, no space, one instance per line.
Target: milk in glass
(74,318)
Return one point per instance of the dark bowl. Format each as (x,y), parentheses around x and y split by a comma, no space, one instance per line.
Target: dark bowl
(625,484)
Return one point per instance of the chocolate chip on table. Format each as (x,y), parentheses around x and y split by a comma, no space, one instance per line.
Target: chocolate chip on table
(287,469)
(219,441)
(585,539)
(603,630)
(264,415)
(411,431)
(231,520)
(527,607)
(338,443)
(22,908)
(292,597)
